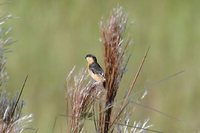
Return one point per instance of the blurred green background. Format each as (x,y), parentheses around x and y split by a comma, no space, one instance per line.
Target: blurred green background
(54,35)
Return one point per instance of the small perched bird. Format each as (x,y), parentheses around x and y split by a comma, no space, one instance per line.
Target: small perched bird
(94,69)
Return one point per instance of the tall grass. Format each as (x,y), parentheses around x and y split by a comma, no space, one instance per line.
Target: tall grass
(112,38)
(11,119)
(88,100)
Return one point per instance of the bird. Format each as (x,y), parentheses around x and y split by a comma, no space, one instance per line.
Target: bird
(94,69)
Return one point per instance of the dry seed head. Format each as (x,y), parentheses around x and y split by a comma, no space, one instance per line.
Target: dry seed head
(80,95)
(12,123)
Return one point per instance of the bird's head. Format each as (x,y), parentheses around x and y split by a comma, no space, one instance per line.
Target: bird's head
(90,58)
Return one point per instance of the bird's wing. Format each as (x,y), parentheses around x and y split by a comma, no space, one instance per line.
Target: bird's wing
(96,69)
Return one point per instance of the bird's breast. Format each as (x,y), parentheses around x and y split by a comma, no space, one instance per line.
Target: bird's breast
(96,77)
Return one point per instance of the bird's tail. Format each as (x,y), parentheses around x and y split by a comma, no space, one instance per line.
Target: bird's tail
(104,83)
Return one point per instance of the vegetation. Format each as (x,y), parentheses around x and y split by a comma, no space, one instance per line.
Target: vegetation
(52,36)
(11,119)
